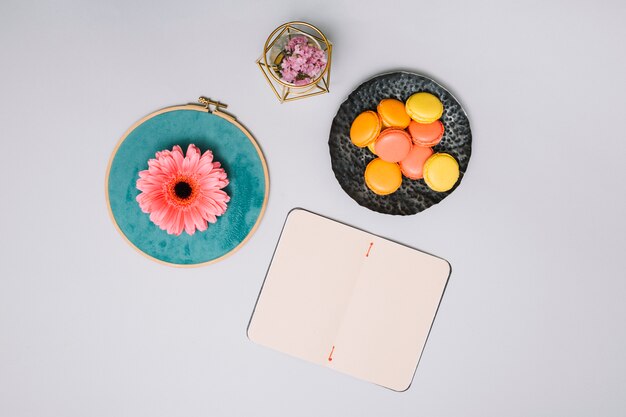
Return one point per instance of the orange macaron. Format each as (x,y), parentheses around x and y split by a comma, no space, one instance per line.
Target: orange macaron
(383,177)
(393,113)
(365,128)
(426,134)
(393,145)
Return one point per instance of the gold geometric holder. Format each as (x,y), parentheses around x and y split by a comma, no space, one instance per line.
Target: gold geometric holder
(269,61)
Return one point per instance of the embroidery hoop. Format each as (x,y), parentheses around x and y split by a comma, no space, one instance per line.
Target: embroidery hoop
(247,143)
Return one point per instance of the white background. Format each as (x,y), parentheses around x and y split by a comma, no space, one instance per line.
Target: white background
(532,322)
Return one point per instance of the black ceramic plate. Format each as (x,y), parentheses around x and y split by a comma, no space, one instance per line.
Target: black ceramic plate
(349,161)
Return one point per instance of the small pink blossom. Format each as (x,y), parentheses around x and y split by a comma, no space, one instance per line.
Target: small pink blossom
(302,62)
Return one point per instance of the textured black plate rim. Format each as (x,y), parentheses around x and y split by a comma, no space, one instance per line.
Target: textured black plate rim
(461,111)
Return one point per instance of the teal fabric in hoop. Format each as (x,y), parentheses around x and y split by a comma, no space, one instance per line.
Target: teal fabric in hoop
(231,145)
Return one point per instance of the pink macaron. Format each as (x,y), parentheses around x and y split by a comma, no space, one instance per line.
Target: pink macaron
(428,134)
(412,166)
(393,145)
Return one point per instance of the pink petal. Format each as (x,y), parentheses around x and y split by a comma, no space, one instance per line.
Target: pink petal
(190,227)
(190,164)
(197,219)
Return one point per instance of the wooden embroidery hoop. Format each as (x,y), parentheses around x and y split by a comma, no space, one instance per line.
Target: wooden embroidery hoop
(204,105)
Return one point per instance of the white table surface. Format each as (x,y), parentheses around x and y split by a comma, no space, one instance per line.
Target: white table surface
(532,322)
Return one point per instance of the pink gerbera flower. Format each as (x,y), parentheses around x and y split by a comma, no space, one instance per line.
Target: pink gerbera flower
(183,193)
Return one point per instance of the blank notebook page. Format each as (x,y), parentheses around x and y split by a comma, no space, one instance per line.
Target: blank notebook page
(348,300)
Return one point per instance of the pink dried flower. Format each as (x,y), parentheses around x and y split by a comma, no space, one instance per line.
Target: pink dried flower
(183,193)
(296,41)
(302,62)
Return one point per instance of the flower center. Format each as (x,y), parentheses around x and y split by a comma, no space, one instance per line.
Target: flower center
(182,190)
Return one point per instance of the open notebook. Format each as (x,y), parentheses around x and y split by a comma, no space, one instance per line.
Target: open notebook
(348,300)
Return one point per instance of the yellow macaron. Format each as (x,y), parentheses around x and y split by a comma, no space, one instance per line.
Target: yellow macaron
(424,107)
(393,113)
(383,177)
(441,172)
(365,128)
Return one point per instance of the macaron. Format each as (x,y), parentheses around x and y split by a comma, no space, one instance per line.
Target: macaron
(426,134)
(371,147)
(383,177)
(424,107)
(412,166)
(393,113)
(365,128)
(441,172)
(393,145)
